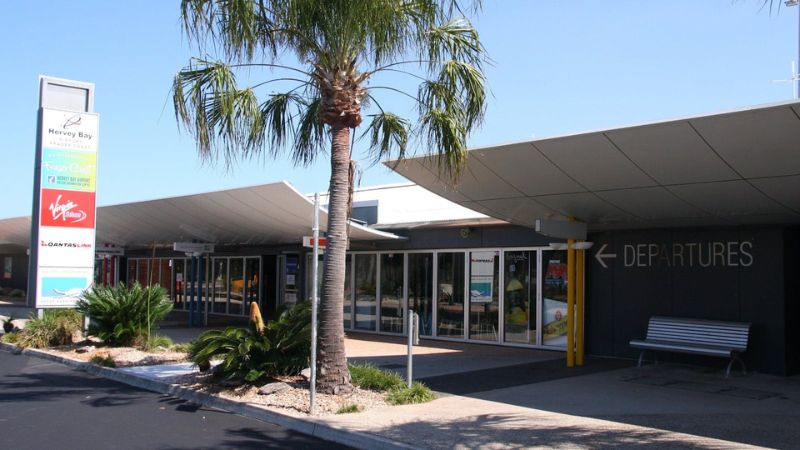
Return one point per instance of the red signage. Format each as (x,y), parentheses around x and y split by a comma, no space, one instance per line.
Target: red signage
(71,209)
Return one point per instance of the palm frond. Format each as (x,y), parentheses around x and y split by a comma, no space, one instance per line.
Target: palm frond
(389,135)
(309,139)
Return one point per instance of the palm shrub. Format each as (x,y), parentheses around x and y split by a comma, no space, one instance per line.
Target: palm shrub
(124,315)
(281,347)
(54,328)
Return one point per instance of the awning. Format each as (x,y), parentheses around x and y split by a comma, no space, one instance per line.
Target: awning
(269,214)
(733,168)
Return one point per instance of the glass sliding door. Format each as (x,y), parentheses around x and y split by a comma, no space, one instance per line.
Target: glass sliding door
(348,293)
(554,302)
(252,270)
(484,304)
(450,292)
(365,288)
(420,289)
(178,282)
(519,319)
(219,286)
(391,292)
(236,286)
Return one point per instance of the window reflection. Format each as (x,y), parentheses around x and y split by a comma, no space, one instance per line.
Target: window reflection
(450,303)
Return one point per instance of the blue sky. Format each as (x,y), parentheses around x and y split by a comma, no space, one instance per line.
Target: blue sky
(559,67)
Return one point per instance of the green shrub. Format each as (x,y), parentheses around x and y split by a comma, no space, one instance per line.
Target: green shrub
(54,328)
(347,409)
(367,376)
(10,338)
(122,315)
(284,348)
(417,393)
(105,361)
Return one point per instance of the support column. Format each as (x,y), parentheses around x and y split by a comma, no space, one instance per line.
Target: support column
(570,303)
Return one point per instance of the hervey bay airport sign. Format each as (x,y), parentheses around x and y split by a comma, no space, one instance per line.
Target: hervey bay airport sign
(680,254)
(66,213)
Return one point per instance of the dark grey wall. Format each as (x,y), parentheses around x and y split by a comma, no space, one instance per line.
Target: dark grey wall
(723,274)
(19,272)
(455,237)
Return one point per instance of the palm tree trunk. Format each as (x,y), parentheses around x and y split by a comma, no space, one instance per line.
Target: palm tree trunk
(333,374)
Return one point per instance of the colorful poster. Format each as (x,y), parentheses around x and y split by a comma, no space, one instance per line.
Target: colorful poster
(62,208)
(62,287)
(74,170)
(481,276)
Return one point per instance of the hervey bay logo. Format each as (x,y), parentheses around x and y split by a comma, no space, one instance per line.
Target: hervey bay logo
(70,127)
(67,208)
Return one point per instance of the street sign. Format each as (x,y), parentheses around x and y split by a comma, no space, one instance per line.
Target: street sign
(193,247)
(308,241)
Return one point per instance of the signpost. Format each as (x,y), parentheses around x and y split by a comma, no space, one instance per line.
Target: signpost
(63,218)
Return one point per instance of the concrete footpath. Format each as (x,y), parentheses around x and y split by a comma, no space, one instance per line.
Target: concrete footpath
(606,406)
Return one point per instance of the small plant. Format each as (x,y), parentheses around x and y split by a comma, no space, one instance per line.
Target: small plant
(122,315)
(367,376)
(347,409)
(417,393)
(179,348)
(281,347)
(10,338)
(105,361)
(157,340)
(55,328)
(8,323)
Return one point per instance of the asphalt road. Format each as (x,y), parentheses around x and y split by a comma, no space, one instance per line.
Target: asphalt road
(48,405)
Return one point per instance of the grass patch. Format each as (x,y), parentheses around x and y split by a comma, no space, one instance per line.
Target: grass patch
(156,341)
(367,376)
(179,348)
(54,328)
(347,409)
(10,338)
(105,361)
(417,393)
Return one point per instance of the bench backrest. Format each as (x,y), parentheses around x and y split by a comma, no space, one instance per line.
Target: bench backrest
(695,331)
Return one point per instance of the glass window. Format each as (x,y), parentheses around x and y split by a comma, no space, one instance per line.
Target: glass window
(179,283)
(236,286)
(142,274)
(131,278)
(219,293)
(554,291)
(450,302)
(365,292)
(484,304)
(348,292)
(166,276)
(252,270)
(519,270)
(420,289)
(392,292)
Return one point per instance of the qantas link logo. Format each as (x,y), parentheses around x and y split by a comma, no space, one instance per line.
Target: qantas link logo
(66,212)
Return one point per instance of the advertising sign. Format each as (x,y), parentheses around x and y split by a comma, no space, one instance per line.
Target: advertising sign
(481,276)
(66,213)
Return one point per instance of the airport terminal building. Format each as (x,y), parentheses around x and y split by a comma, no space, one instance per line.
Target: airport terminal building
(697,217)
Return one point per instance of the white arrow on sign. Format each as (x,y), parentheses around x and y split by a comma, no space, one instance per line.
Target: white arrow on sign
(599,256)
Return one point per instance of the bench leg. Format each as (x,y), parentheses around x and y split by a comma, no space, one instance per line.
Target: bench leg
(730,364)
(641,355)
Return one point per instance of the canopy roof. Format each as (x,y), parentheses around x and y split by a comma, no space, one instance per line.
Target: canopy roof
(733,168)
(269,214)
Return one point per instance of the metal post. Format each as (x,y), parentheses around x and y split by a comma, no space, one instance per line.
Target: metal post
(191,291)
(410,362)
(314,301)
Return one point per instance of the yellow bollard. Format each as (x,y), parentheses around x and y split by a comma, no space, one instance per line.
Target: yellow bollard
(570,304)
(579,303)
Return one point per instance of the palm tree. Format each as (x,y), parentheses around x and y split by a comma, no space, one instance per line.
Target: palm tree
(330,53)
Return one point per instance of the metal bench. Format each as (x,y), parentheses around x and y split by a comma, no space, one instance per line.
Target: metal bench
(697,337)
